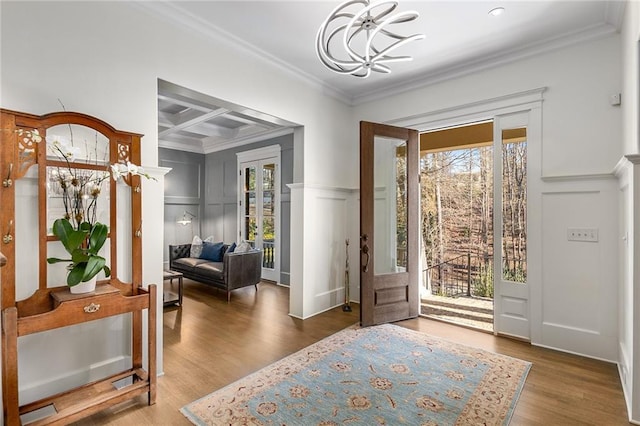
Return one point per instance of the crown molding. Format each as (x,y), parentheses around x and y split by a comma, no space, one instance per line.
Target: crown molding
(487,62)
(179,17)
(180,146)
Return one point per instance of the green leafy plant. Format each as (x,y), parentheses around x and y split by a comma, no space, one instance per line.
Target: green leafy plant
(83,245)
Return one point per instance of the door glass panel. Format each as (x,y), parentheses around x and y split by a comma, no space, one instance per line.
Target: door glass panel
(390,205)
(250,178)
(268,218)
(250,205)
(250,226)
(268,176)
(514,205)
(267,203)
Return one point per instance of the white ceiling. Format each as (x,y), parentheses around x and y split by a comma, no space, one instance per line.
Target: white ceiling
(461,37)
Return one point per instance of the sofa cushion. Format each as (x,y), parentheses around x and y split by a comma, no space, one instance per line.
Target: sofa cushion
(231,248)
(212,251)
(196,245)
(189,262)
(243,247)
(212,269)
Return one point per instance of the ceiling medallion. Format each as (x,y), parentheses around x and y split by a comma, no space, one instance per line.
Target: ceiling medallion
(358,29)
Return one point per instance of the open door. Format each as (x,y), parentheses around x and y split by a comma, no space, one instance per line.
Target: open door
(389,207)
(511,290)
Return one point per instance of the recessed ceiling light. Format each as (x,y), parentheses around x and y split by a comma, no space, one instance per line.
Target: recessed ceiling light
(497,11)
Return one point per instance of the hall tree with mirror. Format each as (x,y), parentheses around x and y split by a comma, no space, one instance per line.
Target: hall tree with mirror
(36,304)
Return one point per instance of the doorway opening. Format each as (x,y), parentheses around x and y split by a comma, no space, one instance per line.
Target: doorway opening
(458,187)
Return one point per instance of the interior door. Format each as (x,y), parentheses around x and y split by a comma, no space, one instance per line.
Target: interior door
(511,291)
(389,208)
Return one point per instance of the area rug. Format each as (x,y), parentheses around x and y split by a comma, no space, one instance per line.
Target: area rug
(382,375)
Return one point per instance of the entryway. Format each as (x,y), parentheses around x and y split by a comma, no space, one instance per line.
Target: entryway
(503,237)
(459,181)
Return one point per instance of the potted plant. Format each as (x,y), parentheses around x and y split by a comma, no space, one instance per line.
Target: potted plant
(83,245)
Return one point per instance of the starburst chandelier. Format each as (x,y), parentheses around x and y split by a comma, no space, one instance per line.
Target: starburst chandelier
(357,30)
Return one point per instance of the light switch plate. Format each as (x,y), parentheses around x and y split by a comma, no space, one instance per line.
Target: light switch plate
(583,234)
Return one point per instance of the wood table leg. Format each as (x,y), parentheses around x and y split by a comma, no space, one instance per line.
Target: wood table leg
(10,401)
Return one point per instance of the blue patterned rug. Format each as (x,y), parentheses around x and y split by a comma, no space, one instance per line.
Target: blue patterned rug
(383,375)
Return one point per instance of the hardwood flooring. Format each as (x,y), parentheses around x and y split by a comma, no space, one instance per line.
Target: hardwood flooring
(209,343)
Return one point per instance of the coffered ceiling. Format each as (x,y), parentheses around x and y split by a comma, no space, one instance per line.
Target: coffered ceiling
(461,38)
(192,121)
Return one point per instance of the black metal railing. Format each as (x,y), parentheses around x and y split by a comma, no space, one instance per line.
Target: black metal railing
(268,254)
(463,275)
(451,277)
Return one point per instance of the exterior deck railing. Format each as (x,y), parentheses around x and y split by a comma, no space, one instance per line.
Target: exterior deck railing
(462,275)
(451,277)
(268,254)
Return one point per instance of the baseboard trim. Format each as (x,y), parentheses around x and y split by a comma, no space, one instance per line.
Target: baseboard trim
(317,313)
(574,353)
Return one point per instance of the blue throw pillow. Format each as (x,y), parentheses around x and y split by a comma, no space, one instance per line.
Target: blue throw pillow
(231,248)
(212,251)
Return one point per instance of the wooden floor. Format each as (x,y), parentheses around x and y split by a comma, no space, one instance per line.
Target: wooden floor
(209,344)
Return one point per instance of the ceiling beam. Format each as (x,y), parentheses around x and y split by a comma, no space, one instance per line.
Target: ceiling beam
(193,121)
(183,101)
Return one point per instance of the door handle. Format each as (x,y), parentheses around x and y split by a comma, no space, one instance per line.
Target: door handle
(365,250)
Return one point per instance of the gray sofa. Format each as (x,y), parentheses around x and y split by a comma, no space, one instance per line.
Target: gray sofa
(236,270)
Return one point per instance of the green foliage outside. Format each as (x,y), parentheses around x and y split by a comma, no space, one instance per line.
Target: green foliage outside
(457,212)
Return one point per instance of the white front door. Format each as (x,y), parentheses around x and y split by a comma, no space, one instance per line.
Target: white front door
(259,205)
(511,294)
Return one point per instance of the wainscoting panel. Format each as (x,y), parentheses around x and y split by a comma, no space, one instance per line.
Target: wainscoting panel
(329,253)
(183,182)
(579,278)
(328,218)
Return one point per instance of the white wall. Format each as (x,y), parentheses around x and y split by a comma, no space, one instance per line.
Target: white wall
(574,302)
(104,59)
(629,232)
(630,72)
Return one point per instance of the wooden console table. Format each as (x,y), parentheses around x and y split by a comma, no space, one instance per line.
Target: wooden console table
(24,149)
